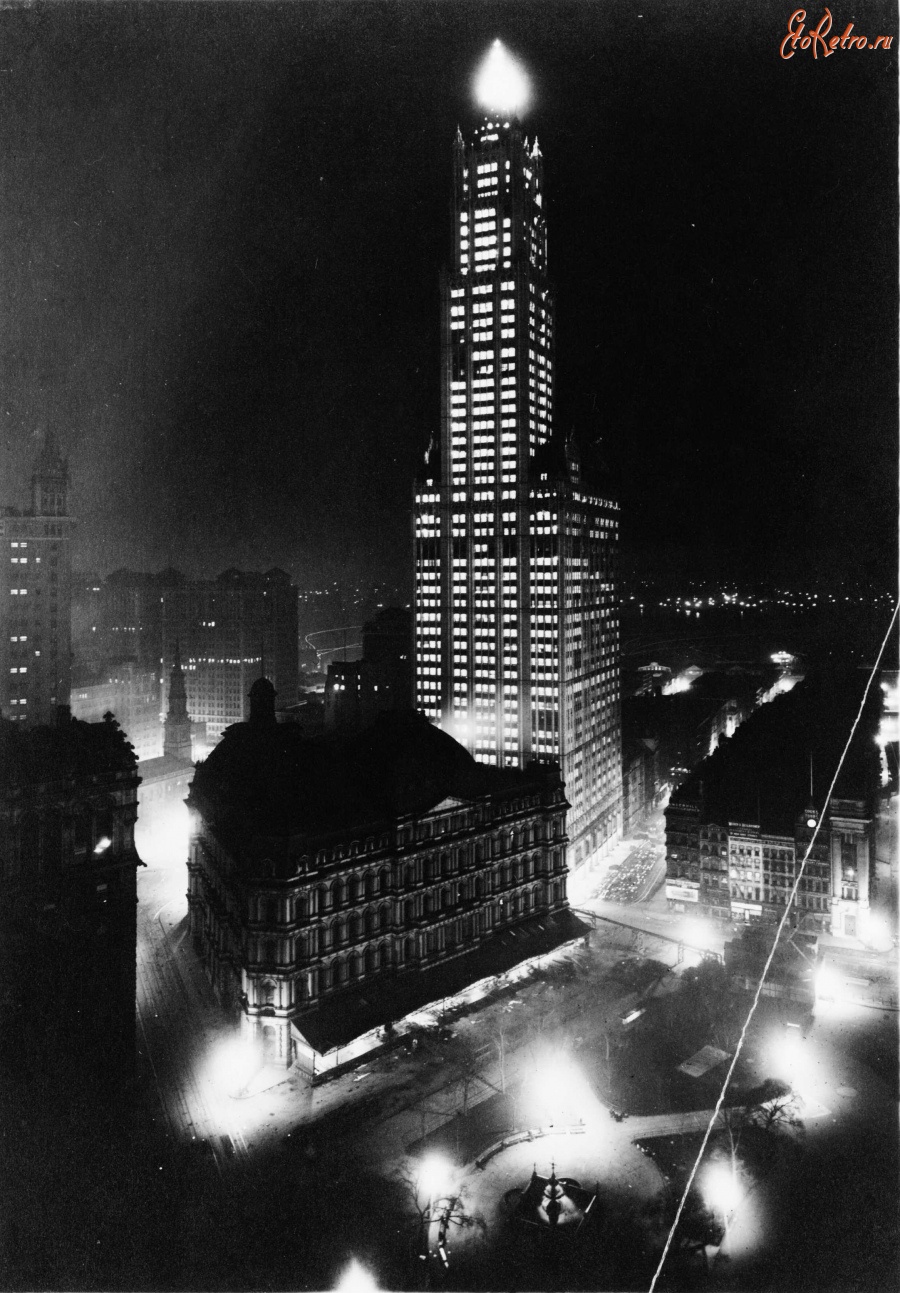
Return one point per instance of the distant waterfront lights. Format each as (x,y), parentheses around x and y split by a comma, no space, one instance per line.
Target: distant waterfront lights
(501,84)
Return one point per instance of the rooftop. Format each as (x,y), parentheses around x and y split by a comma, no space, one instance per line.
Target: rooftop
(762,773)
(269,779)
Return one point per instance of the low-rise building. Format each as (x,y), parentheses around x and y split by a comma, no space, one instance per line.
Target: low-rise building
(740,828)
(338,883)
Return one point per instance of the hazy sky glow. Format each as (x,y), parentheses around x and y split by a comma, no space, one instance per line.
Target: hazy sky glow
(222,230)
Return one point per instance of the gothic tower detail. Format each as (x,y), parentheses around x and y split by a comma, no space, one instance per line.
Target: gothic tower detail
(177,739)
(516,611)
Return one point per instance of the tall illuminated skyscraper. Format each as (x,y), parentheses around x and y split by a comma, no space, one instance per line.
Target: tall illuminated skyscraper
(516,618)
(36,595)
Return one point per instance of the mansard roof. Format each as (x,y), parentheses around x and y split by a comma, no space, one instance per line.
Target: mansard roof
(266,779)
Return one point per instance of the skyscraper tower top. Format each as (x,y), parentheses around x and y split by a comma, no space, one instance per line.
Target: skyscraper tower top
(501,85)
(516,616)
(49,479)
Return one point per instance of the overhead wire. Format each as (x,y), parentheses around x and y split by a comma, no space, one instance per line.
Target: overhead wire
(759,987)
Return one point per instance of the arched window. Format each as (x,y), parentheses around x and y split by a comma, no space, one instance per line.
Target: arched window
(266,992)
(384,916)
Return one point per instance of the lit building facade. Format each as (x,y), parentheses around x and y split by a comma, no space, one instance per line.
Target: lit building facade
(322,869)
(131,695)
(516,614)
(35,596)
(740,826)
(227,628)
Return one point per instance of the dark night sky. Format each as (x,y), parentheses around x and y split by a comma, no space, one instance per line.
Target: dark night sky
(222,228)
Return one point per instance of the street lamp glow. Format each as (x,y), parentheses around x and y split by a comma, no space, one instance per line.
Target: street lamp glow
(501,84)
(356,1279)
(721,1188)
(557,1093)
(434,1175)
(236,1064)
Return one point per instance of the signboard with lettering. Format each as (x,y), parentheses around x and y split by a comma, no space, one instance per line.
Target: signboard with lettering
(682,892)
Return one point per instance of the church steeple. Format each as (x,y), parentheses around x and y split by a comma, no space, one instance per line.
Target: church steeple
(177,739)
(49,480)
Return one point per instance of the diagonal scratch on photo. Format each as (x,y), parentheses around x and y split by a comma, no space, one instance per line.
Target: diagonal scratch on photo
(449,693)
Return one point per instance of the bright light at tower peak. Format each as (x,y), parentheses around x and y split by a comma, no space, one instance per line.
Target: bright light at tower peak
(501,84)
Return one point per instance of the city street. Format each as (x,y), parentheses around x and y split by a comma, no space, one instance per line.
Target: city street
(531,1042)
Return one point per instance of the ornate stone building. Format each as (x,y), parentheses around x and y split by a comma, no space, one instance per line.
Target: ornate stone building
(68,803)
(338,883)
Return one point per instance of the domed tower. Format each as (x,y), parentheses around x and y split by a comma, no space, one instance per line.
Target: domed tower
(177,739)
(262,703)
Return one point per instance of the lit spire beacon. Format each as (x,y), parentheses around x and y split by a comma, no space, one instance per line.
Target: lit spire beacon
(516,613)
(501,84)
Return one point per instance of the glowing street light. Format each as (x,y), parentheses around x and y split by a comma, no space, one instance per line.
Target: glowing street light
(501,84)
(433,1175)
(235,1065)
(722,1189)
(356,1279)
(558,1093)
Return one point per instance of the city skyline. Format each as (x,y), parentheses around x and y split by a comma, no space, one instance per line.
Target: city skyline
(223,287)
(551,941)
